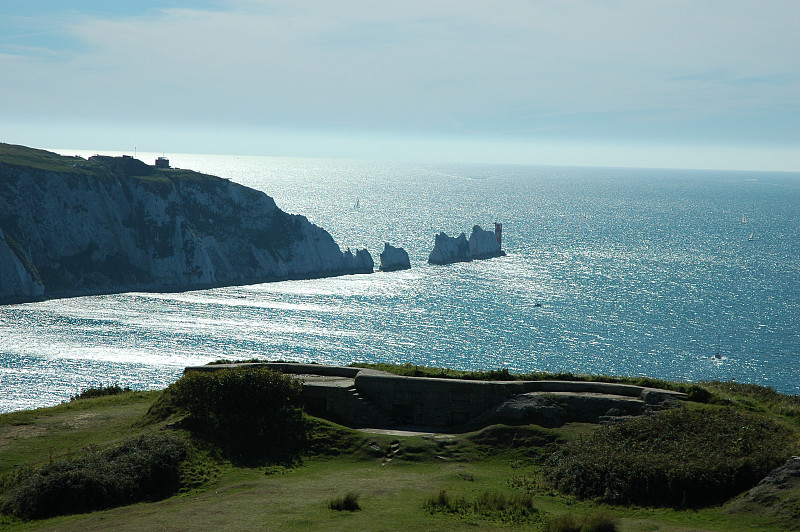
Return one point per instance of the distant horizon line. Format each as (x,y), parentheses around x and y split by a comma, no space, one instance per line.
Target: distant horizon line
(82,152)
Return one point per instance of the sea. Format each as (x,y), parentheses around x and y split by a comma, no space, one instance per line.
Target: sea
(688,275)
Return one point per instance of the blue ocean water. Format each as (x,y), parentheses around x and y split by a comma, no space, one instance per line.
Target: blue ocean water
(612,271)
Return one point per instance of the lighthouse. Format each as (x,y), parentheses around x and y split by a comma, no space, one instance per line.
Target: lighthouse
(498,233)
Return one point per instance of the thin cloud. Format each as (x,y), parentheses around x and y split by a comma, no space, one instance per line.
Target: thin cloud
(522,69)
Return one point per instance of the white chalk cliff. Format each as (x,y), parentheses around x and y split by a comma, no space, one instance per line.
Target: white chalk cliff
(447,249)
(481,245)
(394,259)
(484,244)
(70,226)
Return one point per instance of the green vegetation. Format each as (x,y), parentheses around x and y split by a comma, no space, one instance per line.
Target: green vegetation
(45,160)
(695,392)
(516,508)
(20,253)
(682,458)
(253,413)
(114,389)
(754,398)
(492,479)
(247,361)
(145,468)
(348,503)
(588,523)
(157,180)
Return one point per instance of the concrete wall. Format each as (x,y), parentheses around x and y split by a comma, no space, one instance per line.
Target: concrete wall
(378,398)
(426,401)
(450,402)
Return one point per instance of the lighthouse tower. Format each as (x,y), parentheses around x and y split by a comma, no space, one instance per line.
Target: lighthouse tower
(498,233)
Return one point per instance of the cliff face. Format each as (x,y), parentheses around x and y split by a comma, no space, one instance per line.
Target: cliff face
(71,226)
(448,249)
(394,259)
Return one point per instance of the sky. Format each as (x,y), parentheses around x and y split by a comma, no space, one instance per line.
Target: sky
(642,83)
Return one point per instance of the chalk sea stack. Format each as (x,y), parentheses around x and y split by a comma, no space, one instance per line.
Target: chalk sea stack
(481,245)
(394,259)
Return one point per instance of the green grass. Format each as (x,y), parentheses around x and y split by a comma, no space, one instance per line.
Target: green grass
(496,472)
(696,392)
(345,503)
(145,468)
(755,398)
(48,161)
(99,391)
(681,457)
(513,508)
(47,434)
(160,181)
(588,523)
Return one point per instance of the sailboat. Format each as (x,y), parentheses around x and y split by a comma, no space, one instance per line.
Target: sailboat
(752,234)
(744,218)
(356,204)
(718,354)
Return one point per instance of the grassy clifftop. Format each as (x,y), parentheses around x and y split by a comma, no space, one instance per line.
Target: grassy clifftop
(100,166)
(24,156)
(492,479)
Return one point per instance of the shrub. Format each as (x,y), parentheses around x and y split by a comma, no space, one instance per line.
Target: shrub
(598,523)
(348,503)
(698,394)
(562,523)
(679,458)
(114,389)
(513,508)
(441,502)
(589,523)
(142,469)
(253,412)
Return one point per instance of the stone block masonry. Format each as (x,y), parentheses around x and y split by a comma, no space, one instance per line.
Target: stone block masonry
(370,398)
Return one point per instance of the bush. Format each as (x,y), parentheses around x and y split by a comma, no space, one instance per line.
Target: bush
(589,523)
(253,412)
(679,458)
(347,503)
(142,469)
(114,389)
(515,508)
(562,523)
(698,394)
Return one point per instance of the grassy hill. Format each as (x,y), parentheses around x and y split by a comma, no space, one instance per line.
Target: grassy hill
(492,479)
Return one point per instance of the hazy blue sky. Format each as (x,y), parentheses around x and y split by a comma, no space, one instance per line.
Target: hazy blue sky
(663,83)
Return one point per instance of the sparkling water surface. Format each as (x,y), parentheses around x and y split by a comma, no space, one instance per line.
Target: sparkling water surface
(612,271)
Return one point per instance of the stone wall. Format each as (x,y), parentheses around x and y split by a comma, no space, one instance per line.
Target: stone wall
(368,397)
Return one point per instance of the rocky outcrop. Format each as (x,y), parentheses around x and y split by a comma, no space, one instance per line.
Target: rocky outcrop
(394,259)
(71,226)
(447,249)
(481,245)
(556,408)
(484,244)
(782,479)
(775,497)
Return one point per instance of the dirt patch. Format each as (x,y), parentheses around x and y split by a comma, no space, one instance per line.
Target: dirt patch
(81,420)
(11,433)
